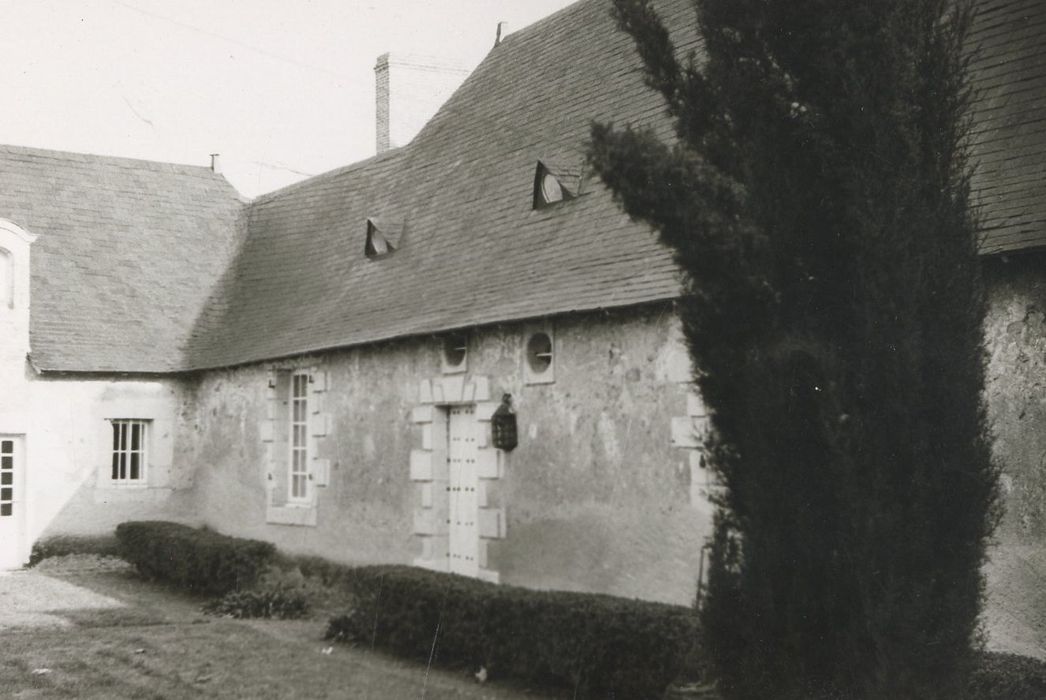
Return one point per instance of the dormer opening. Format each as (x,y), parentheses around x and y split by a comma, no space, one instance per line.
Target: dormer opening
(551,187)
(383,237)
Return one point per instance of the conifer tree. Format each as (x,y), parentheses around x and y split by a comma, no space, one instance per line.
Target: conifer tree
(816,197)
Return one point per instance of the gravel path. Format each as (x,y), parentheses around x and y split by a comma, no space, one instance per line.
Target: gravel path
(31,599)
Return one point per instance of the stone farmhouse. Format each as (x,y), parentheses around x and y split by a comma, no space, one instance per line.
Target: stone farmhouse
(322,367)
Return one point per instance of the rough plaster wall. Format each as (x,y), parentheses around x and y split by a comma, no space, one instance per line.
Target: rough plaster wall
(364,515)
(595,496)
(1016,392)
(1016,389)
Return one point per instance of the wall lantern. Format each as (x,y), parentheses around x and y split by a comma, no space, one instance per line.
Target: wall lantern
(503,425)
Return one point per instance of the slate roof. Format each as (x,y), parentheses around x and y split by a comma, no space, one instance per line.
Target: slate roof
(127,254)
(1009,137)
(471,250)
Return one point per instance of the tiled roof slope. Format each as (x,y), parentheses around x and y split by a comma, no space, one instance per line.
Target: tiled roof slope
(473,250)
(1009,137)
(127,254)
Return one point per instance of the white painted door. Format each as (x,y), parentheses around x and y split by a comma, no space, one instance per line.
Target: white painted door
(12,501)
(464,506)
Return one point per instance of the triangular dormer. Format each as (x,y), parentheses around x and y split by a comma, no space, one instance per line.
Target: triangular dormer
(383,236)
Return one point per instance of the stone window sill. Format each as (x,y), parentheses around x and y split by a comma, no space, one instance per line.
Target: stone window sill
(298,514)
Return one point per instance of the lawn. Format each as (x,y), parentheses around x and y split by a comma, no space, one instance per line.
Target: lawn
(138,640)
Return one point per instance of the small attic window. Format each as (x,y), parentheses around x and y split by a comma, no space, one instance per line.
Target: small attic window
(383,237)
(549,187)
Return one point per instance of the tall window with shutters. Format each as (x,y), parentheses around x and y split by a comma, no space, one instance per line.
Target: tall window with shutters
(298,439)
(130,451)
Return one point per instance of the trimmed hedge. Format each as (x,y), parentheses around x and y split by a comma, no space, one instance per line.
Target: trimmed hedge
(199,560)
(63,545)
(279,593)
(595,645)
(999,676)
(260,603)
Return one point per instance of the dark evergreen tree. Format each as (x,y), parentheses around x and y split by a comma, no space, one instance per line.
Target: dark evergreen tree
(816,197)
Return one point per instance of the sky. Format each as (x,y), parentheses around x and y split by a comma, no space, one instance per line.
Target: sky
(282,89)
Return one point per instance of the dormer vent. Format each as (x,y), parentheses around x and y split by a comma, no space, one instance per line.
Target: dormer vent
(383,236)
(553,185)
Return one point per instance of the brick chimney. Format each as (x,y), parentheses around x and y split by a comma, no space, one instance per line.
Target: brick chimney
(409,90)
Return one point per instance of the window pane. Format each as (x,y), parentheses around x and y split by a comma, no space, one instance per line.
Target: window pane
(135,462)
(123,436)
(116,466)
(136,436)
(7,494)
(7,462)
(7,478)
(5,510)
(116,436)
(7,446)
(123,465)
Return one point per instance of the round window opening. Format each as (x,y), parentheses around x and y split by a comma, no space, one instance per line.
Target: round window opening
(539,352)
(455,347)
(551,190)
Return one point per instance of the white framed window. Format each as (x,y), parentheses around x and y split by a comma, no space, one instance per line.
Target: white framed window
(130,453)
(298,440)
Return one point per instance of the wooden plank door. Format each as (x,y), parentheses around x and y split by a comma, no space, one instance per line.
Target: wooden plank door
(12,501)
(464,504)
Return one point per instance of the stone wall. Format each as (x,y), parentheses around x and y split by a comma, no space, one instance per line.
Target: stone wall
(1016,389)
(602,493)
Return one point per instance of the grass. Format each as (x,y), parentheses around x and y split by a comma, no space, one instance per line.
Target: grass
(159,645)
(223,659)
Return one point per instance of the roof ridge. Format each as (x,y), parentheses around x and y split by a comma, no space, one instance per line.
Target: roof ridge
(85,157)
(331,174)
(538,24)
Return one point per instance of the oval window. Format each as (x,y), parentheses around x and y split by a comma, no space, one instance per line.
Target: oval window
(539,352)
(455,347)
